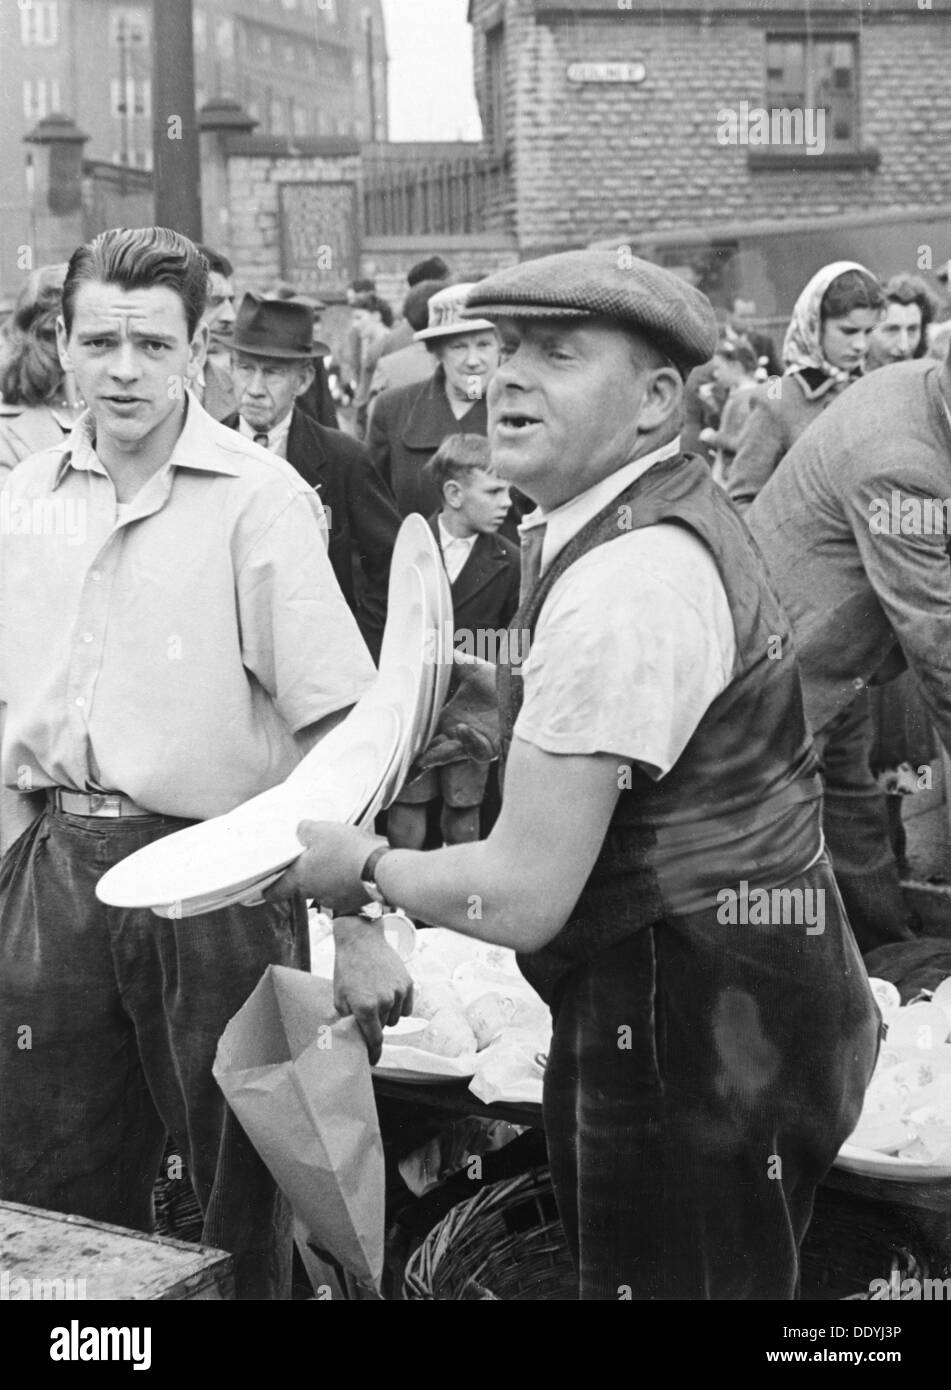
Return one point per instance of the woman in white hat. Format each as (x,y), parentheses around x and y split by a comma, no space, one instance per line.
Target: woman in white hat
(408,424)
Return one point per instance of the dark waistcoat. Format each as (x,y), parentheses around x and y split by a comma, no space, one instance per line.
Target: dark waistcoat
(742,802)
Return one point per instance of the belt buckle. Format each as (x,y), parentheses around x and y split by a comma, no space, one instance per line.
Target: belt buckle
(105,804)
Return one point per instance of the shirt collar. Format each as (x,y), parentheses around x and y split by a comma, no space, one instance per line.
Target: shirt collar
(276,435)
(446,538)
(565,521)
(197,447)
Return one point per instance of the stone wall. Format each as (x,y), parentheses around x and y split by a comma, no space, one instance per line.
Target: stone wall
(598,159)
(249,180)
(254,183)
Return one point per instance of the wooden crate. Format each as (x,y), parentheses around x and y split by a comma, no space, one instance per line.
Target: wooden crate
(46,1255)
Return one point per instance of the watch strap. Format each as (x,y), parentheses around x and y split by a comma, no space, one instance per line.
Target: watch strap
(368,872)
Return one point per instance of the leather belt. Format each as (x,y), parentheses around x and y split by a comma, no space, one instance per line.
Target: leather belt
(111,804)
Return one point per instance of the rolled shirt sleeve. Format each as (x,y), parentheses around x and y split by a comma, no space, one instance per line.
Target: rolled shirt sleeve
(634,644)
(298,636)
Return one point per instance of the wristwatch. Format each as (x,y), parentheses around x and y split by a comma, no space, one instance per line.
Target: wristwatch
(368,876)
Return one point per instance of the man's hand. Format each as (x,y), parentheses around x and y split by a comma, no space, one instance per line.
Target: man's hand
(468,726)
(330,868)
(370,980)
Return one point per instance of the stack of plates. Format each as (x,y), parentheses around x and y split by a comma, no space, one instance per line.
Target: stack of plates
(349,777)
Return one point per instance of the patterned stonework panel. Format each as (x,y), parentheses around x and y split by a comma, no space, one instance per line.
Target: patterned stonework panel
(319,251)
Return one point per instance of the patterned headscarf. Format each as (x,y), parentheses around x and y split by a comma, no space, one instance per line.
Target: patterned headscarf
(802,347)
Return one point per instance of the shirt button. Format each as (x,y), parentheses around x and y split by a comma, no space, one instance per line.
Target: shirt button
(858,683)
(80,701)
(95,575)
(88,637)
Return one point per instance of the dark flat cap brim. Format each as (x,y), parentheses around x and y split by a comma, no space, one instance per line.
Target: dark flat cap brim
(631,293)
(530,311)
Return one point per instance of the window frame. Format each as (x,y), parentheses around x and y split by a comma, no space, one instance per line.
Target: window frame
(41,97)
(39,24)
(137,18)
(809,42)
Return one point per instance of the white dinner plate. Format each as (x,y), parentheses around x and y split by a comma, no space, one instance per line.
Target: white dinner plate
(877,1165)
(440,614)
(212,857)
(412,1064)
(356,769)
(247,893)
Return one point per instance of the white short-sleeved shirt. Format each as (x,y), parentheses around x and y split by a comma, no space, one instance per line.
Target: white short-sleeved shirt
(635,641)
(168,648)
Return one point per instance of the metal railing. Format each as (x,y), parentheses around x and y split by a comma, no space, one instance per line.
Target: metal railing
(432,196)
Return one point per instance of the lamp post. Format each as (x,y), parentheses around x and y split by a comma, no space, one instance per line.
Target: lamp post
(174,125)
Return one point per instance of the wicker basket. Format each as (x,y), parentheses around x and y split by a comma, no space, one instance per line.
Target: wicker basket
(506,1243)
(853,1240)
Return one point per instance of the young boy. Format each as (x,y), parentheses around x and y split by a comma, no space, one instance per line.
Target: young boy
(734,369)
(483,569)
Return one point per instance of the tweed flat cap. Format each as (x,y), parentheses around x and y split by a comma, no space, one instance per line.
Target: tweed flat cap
(674,316)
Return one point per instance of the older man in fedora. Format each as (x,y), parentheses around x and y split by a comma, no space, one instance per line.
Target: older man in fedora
(273,355)
(658,860)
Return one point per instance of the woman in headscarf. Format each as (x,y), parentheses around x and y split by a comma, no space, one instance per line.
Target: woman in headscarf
(824,351)
(41,402)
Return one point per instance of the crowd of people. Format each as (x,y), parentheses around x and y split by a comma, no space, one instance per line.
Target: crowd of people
(681,523)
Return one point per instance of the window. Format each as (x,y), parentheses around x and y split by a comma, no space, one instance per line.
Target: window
(278,117)
(493,115)
(39,24)
(200,30)
(138,158)
(40,97)
(224,38)
(819,74)
(128,27)
(131,98)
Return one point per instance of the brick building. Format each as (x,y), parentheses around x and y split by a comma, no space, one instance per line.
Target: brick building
(612,115)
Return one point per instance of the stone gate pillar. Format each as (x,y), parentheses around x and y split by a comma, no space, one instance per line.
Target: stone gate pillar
(55,176)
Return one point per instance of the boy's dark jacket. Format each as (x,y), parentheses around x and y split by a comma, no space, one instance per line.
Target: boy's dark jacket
(485,593)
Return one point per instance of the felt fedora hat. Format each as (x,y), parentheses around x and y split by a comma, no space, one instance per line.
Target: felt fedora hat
(445,315)
(276,328)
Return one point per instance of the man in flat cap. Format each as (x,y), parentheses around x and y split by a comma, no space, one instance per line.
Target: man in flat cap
(658,861)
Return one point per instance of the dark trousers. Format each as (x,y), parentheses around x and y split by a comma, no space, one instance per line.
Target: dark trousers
(858,834)
(701,1080)
(109,1021)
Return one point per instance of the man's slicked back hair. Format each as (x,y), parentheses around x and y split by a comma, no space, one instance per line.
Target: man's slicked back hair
(137,258)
